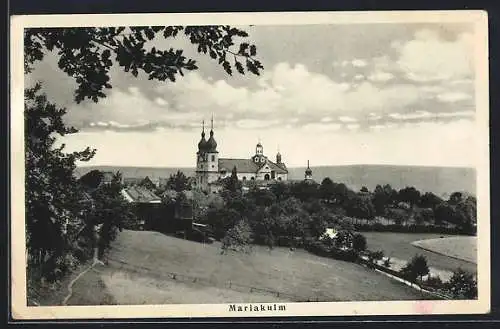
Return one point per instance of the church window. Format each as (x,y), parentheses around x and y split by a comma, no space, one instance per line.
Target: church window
(266,177)
(213,157)
(279,178)
(252,178)
(213,166)
(244,177)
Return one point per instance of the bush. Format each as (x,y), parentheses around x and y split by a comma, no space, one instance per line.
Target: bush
(238,237)
(434,282)
(374,257)
(417,267)
(359,242)
(462,285)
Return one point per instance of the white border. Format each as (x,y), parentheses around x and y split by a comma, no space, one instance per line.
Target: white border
(20,310)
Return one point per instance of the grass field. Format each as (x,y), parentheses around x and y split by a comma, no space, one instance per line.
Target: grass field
(140,263)
(399,245)
(461,247)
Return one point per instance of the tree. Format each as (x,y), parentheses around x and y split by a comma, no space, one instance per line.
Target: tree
(327,189)
(112,212)
(92,179)
(429,200)
(410,195)
(455,198)
(304,191)
(417,267)
(178,182)
(462,285)
(280,190)
(359,207)
(238,237)
(364,189)
(380,200)
(54,213)
(88,54)
(359,242)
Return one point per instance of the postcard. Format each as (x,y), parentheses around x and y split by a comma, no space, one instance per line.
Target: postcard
(249,165)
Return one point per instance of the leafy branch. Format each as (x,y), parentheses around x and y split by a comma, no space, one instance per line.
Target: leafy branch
(87,54)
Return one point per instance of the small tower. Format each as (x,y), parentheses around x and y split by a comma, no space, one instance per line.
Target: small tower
(278,158)
(259,157)
(308,173)
(259,150)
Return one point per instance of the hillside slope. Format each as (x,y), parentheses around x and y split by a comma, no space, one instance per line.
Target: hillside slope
(440,180)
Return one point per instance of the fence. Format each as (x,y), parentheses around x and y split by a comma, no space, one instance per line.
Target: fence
(205,281)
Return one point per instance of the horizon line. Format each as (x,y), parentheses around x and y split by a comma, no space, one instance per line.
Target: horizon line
(291,167)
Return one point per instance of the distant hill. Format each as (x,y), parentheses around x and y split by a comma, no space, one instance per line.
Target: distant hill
(440,180)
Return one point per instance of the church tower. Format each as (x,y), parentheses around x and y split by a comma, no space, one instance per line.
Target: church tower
(308,173)
(201,160)
(212,171)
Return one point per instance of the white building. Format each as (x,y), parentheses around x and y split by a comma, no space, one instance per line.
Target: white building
(210,168)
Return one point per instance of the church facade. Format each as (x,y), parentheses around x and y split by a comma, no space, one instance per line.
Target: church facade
(211,168)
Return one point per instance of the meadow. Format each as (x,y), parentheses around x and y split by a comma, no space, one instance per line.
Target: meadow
(400,246)
(140,264)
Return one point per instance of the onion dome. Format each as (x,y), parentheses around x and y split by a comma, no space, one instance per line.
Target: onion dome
(278,157)
(202,145)
(211,145)
(308,170)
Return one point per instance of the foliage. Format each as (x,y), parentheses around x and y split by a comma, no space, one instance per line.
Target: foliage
(410,195)
(92,179)
(382,198)
(462,285)
(54,214)
(359,242)
(359,207)
(304,191)
(231,184)
(238,237)
(434,282)
(111,212)
(374,257)
(178,182)
(327,189)
(88,54)
(429,200)
(417,267)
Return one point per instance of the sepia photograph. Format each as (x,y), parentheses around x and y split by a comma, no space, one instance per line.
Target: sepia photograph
(258,164)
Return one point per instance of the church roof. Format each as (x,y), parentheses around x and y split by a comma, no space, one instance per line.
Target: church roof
(247,166)
(278,169)
(242,165)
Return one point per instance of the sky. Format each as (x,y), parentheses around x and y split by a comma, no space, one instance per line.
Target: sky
(399,94)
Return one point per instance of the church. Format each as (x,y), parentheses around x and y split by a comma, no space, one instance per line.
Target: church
(210,168)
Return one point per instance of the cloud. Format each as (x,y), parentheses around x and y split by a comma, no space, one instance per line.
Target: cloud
(452,97)
(359,63)
(282,93)
(380,76)
(429,57)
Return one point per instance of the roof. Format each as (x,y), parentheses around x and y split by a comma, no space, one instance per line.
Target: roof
(132,180)
(247,165)
(242,165)
(107,176)
(139,194)
(278,169)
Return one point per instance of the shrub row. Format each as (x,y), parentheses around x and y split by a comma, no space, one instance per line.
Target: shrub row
(378,227)
(320,249)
